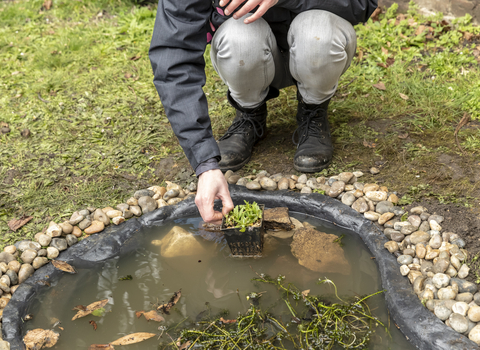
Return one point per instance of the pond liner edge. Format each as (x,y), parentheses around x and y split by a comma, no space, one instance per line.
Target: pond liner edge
(417,323)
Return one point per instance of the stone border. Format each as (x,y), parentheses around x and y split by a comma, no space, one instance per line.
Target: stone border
(419,325)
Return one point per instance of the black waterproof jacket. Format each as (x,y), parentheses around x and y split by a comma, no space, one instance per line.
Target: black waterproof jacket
(183,28)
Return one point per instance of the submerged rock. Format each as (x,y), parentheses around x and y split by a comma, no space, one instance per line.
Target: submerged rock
(317,251)
(277,219)
(179,242)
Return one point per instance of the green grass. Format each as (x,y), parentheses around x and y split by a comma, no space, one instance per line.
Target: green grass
(78,78)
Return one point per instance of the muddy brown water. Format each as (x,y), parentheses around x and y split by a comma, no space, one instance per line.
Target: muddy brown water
(211,282)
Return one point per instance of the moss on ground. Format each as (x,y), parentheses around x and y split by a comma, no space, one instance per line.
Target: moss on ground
(78,78)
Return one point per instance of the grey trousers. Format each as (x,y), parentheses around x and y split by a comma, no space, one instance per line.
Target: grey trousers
(247,59)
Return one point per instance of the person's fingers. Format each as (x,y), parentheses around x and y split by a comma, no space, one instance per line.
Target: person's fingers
(227,202)
(224,2)
(205,207)
(246,8)
(232,6)
(264,6)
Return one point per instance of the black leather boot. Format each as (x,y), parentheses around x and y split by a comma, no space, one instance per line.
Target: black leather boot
(314,145)
(247,129)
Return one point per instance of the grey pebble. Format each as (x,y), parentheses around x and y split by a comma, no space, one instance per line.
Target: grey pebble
(173,193)
(135,209)
(84,212)
(384,207)
(84,223)
(123,206)
(59,243)
(348,198)
(71,240)
(465,286)
(147,203)
(254,185)
(42,252)
(13,277)
(242,181)
(404,259)
(142,193)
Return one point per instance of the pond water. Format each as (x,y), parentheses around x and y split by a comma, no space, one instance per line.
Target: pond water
(211,282)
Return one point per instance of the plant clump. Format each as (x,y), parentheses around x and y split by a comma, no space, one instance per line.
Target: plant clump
(310,323)
(243,216)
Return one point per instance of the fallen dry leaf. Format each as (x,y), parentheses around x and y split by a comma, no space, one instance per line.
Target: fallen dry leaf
(47,4)
(376,13)
(101,347)
(94,324)
(360,55)
(150,315)
(133,338)
(79,307)
(39,338)
(136,57)
(63,266)
(380,86)
(227,321)
(185,345)
(165,308)
(420,29)
(305,293)
(467,36)
(403,136)
(15,224)
(90,308)
(369,144)
(403,96)
(385,51)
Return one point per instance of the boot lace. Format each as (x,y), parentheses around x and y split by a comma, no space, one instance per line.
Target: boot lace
(312,124)
(241,126)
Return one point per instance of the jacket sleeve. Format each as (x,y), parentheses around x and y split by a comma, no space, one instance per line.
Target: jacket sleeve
(176,54)
(354,11)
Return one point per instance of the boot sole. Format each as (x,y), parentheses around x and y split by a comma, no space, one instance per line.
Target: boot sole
(235,167)
(311,170)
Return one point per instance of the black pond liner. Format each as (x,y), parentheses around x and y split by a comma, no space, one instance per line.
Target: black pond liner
(418,324)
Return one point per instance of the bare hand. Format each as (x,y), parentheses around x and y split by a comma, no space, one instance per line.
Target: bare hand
(212,185)
(263,6)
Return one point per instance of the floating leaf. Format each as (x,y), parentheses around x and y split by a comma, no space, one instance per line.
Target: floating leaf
(185,345)
(90,308)
(101,347)
(150,315)
(94,324)
(39,338)
(63,266)
(99,312)
(79,307)
(133,338)
(165,308)
(15,224)
(126,278)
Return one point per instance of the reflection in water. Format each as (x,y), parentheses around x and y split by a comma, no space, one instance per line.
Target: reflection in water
(207,277)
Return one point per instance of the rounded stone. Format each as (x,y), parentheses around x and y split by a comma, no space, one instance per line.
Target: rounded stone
(42,252)
(26,270)
(376,196)
(52,252)
(414,220)
(44,240)
(409,251)
(474,334)
(84,212)
(148,204)
(28,255)
(397,236)
(465,286)
(420,250)
(369,187)
(95,227)
(434,225)
(173,201)
(71,240)
(384,207)
(418,284)
(99,215)
(85,223)
(459,242)
(132,201)
(348,198)
(135,209)
(24,245)
(391,246)
(404,259)
(460,308)
(53,230)
(114,213)
(59,243)
(371,215)
(14,266)
(76,231)
(435,241)
(458,323)
(440,280)
(169,194)
(404,270)
(160,203)
(463,272)
(442,312)
(302,179)
(408,229)
(474,313)
(440,266)
(118,220)
(233,179)
(446,293)
(143,193)
(360,205)
(336,188)
(282,184)
(38,262)
(76,218)
(385,217)
(418,210)
(412,275)
(66,227)
(13,277)
(419,237)
(10,249)
(424,226)
(254,186)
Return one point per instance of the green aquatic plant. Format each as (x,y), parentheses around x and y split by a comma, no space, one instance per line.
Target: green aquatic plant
(311,323)
(244,215)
